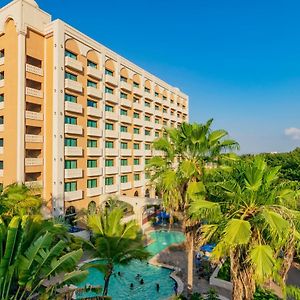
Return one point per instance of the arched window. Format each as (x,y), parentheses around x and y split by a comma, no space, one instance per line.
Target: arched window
(136,194)
(71,215)
(92,207)
(147,193)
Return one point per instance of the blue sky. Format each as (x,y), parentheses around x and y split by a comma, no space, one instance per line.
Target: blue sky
(239,61)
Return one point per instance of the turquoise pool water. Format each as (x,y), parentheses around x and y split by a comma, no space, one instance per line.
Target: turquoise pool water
(119,286)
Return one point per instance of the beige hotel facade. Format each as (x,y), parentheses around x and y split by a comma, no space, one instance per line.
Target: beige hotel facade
(76,119)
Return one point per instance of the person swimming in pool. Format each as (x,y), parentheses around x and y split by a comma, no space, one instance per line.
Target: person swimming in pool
(119,273)
(138,276)
(131,286)
(142,281)
(157,287)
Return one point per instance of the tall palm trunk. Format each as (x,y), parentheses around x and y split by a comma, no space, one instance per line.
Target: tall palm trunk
(288,258)
(106,279)
(190,266)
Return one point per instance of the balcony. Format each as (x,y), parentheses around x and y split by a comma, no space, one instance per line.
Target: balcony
(149,124)
(93,72)
(30,162)
(33,138)
(138,168)
(149,138)
(94,171)
(73,173)
(111,152)
(73,107)
(32,115)
(1,83)
(112,134)
(125,152)
(125,102)
(111,170)
(138,152)
(1,150)
(125,86)
(138,137)
(1,127)
(73,64)
(149,110)
(73,85)
(33,92)
(111,188)
(125,135)
(94,92)
(149,97)
(1,61)
(1,173)
(138,106)
(137,91)
(93,111)
(72,196)
(139,122)
(91,151)
(94,192)
(111,98)
(126,186)
(138,183)
(73,129)
(158,153)
(125,119)
(126,169)
(111,80)
(148,153)
(91,131)
(73,151)
(157,126)
(111,116)
(34,184)
(34,70)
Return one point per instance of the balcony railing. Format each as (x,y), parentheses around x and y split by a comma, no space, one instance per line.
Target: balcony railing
(125,119)
(34,92)
(111,97)
(125,86)
(137,91)
(94,92)
(1,83)
(111,116)
(125,102)
(138,106)
(111,152)
(138,137)
(94,171)
(73,64)
(1,127)
(126,169)
(111,188)
(92,192)
(1,173)
(138,183)
(73,85)
(138,168)
(93,111)
(1,150)
(33,138)
(73,151)
(94,151)
(30,161)
(73,129)
(34,184)
(73,173)
(93,72)
(73,107)
(112,134)
(125,152)
(34,70)
(125,135)
(91,131)
(110,79)
(1,61)
(111,170)
(32,115)
(138,152)
(72,196)
(126,186)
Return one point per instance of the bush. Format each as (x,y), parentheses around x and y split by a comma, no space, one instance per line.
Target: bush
(224,272)
(261,294)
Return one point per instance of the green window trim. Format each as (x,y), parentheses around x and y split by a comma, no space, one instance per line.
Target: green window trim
(123,95)
(91,64)
(70,76)
(136,130)
(124,178)
(109,144)
(92,163)
(70,142)
(70,164)
(124,145)
(123,112)
(109,108)
(92,143)
(109,90)
(124,162)
(136,115)
(136,146)
(109,72)
(92,123)
(70,120)
(71,186)
(92,84)
(92,183)
(109,126)
(91,103)
(70,54)
(123,128)
(109,180)
(136,177)
(136,161)
(70,98)
(1,97)
(109,163)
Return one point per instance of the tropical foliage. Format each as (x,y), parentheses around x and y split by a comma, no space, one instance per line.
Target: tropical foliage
(114,243)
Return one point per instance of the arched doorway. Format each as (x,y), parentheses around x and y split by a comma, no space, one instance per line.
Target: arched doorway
(92,208)
(71,215)
(147,193)
(136,194)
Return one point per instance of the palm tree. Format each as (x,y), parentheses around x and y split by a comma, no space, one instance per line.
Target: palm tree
(33,263)
(114,243)
(255,223)
(188,153)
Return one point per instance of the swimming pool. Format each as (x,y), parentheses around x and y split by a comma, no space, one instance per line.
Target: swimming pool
(119,286)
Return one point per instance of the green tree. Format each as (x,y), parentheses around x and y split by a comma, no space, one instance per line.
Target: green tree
(255,223)
(189,153)
(114,243)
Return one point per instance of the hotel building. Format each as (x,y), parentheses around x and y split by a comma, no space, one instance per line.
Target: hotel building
(76,118)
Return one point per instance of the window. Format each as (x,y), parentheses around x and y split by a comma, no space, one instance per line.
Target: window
(70,142)
(109,181)
(91,103)
(92,84)
(156,94)
(147,161)
(136,115)
(109,108)
(124,128)
(123,95)
(70,54)
(147,90)
(147,118)
(123,112)
(147,132)
(1,164)
(1,97)
(124,145)
(70,98)
(156,107)
(92,123)
(136,100)
(1,75)
(164,98)
(70,186)
(70,120)
(1,120)
(147,104)
(164,110)
(123,79)
(156,134)
(156,121)
(136,177)
(92,163)
(136,146)
(91,183)
(164,122)
(1,142)
(109,126)
(109,145)
(109,163)
(124,178)
(136,84)
(70,164)
(109,72)
(136,130)
(91,64)
(92,143)
(124,162)
(136,161)
(70,76)
(147,146)
(109,90)
(1,53)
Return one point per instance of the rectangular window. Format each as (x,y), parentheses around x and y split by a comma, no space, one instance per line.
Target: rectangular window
(1,142)
(156,94)
(147,104)
(123,95)
(91,64)
(70,98)
(109,72)
(70,164)
(147,160)
(136,161)
(124,128)
(136,130)
(147,90)
(156,107)
(1,53)
(156,134)
(109,126)
(70,76)
(70,142)
(109,163)
(109,108)
(92,143)
(147,118)
(109,181)
(136,177)
(136,115)
(124,145)
(164,98)
(70,54)
(92,84)
(1,97)
(136,146)
(156,121)
(91,103)
(92,163)
(136,84)
(147,132)
(136,100)
(1,75)
(70,120)
(92,123)
(123,79)
(165,123)
(124,178)
(71,186)
(124,162)
(123,112)
(109,90)
(109,145)
(164,110)
(147,146)
(91,183)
